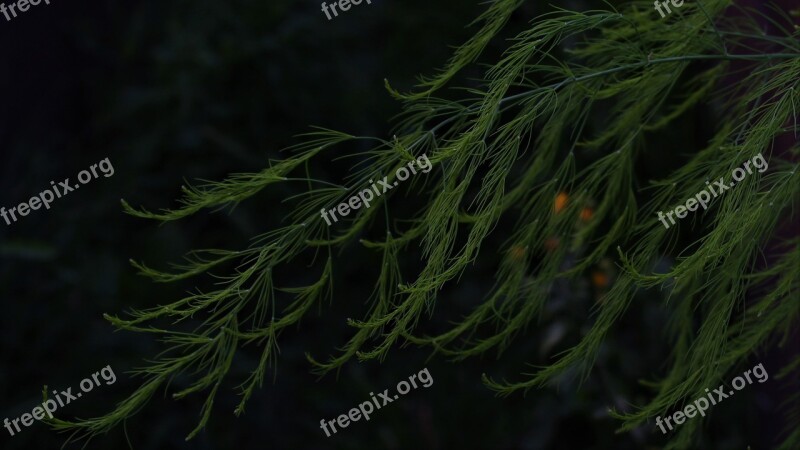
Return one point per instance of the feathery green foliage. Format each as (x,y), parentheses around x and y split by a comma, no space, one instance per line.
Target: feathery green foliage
(504,150)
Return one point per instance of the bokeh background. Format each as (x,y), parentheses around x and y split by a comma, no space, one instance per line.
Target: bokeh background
(174,91)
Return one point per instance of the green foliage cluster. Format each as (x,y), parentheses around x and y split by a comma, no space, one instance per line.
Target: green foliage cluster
(503,149)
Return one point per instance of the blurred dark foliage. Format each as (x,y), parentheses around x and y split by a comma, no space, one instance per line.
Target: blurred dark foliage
(185,90)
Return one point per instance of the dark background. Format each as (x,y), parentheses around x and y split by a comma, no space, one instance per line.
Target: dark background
(184,90)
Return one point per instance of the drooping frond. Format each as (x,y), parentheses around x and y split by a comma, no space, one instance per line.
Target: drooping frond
(547,140)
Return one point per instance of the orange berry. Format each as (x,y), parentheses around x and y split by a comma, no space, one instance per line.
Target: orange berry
(561,201)
(551,244)
(517,253)
(599,280)
(586,213)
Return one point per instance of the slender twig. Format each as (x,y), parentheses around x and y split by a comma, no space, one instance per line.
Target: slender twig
(710,21)
(613,70)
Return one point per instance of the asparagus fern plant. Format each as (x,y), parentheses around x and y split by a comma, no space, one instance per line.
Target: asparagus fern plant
(524,144)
